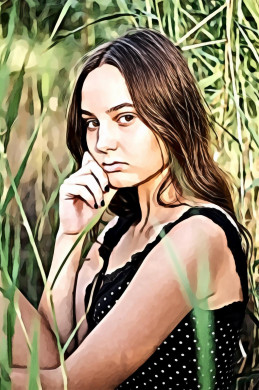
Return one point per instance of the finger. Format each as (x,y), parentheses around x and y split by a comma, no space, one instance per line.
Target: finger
(99,174)
(91,183)
(96,170)
(70,191)
(86,158)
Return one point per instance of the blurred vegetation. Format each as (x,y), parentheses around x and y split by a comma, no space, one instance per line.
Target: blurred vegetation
(41,41)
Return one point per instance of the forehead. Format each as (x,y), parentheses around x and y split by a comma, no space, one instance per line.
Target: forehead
(103,88)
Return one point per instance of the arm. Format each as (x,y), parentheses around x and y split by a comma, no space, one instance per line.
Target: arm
(77,198)
(156,299)
(63,287)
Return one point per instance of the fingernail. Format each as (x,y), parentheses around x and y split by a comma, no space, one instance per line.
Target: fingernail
(107,188)
(102,203)
(96,206)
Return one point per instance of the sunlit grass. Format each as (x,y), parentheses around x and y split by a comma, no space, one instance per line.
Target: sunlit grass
(37,53)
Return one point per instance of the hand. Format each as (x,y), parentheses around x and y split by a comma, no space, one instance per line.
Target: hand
(81,194)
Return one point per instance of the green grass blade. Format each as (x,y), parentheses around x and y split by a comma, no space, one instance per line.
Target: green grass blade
(4,82)
(210,80)
(61,17)
(34,361)
(198,26)
(10,193)
(208,43)
(102,19)
(14,102)
(203,316)
(26,223)
(87,228)
(10,35)
(249,43)
(191,17)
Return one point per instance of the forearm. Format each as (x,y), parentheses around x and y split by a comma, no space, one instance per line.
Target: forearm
(62,291)
(49,379)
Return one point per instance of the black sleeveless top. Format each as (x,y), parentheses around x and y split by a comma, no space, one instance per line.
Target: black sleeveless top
(200,352)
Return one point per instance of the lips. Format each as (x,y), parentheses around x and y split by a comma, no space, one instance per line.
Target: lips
(114,162)
(113,167)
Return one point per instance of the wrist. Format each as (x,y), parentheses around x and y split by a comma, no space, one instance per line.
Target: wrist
(61,232)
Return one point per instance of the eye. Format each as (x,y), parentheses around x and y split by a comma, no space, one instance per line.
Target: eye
(91,127)
(127,117)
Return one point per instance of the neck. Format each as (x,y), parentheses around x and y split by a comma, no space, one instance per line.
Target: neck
(152,213)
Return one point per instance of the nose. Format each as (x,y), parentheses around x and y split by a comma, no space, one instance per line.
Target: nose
(107,137)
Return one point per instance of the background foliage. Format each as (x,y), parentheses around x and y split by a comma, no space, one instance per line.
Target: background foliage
(41,41)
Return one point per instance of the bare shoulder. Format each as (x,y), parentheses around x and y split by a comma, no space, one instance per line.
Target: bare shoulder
(197,248)
(191,243)
(200,234)
(198,227)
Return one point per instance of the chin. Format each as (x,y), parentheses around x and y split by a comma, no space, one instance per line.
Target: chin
(117,182)
(121,179)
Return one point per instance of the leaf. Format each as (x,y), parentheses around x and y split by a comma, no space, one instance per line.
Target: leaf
(14,102)
(11,28)
(149,14)
(249,43)
(104,18)
(201,23)
(253,8)
(61,17)
(34,362)
(210,80)
(10,193)
(248,27)
(4,80)
(254,135)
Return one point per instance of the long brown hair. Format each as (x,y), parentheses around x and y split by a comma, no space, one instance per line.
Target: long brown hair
(167,99)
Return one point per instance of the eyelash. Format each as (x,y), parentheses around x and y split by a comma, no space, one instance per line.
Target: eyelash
(94,120)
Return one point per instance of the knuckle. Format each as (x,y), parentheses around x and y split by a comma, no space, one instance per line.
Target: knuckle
(82,191)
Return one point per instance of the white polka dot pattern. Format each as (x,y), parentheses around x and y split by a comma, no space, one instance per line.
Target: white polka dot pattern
(175,361)
(180,361)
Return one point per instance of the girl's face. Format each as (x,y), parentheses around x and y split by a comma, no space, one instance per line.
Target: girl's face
(114,133)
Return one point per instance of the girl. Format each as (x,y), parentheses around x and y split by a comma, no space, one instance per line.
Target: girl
(163,289)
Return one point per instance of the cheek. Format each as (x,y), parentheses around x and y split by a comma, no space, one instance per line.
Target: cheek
(90,140)
(142,138)
(145,149)
(149,159)
(152,152)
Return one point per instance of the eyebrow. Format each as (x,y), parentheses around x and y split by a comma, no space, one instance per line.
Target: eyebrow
(112,109)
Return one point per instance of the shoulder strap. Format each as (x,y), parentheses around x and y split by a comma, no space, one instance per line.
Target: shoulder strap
(113,235)
(110,240)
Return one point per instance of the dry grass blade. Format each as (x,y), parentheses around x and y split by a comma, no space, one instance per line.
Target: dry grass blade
(205,20)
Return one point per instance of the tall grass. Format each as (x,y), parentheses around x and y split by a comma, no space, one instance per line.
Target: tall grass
(41,42)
